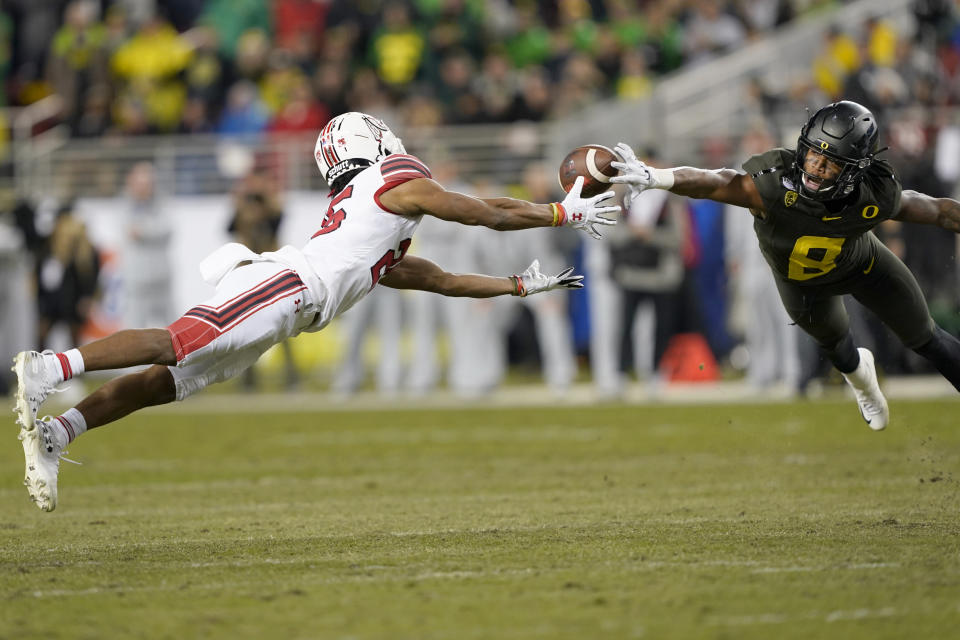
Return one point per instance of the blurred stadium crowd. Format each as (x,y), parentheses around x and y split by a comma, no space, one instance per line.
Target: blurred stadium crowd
(245,66)
(679,280)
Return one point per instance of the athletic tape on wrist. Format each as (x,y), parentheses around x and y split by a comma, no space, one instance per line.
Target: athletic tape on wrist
(663,177)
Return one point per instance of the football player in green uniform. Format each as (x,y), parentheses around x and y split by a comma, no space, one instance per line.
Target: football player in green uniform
(814,209)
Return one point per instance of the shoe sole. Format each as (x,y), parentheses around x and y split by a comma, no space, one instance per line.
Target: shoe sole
(39,492)
(25,415)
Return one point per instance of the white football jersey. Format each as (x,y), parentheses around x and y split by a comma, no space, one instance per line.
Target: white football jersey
(359,240)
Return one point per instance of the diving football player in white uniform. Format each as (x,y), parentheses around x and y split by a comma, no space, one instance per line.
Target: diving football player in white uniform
(379,194)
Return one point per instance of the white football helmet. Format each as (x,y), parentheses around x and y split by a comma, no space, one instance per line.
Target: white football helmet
(353,140)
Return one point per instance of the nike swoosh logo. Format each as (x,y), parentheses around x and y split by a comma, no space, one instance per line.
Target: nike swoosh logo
(867,270)
(829,218)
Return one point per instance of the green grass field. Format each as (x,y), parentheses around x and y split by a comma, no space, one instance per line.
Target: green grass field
(725,521)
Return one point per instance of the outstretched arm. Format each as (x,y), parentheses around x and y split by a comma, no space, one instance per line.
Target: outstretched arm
(425,196)
(420,274)
(722,185)
(417,273)
(923,209)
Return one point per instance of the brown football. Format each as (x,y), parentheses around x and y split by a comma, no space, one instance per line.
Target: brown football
(592,161)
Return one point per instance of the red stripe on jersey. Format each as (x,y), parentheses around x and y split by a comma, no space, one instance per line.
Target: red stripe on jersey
(224,318)
(404,161)
(65,366)
(395,180)
(392,166)
(404,168)
(392,160)
(290,280)
(229,302)
(396,170)
(394,157)
(191,333)
(403,175)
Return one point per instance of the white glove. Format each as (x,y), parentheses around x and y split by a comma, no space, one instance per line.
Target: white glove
(583,213)
(532,281)
(637,175)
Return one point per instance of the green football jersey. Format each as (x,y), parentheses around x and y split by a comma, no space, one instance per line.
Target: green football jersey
(810,242)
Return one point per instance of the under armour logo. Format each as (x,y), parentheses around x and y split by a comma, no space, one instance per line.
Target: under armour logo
(577,217)
(342,142)
(296,305)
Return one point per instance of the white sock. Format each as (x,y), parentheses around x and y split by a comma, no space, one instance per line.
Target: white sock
(72,423)
(68,364)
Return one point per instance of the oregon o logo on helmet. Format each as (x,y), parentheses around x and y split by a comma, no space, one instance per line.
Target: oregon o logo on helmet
(824,145)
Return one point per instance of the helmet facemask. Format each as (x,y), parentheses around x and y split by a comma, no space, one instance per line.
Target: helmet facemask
(353,141)
(839,186)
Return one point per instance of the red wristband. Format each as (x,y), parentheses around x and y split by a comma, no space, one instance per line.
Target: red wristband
(518,289)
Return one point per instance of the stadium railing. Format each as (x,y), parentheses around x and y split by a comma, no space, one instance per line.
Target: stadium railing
(52,164)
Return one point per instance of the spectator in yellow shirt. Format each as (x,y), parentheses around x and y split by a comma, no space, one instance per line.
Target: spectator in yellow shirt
(838,58)
(148,65)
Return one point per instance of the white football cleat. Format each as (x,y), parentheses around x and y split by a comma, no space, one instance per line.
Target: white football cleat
(863,381)
(42,451)
(34,384)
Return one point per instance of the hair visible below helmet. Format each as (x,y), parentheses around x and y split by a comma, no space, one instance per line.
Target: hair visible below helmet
(353,141)
(846,133)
